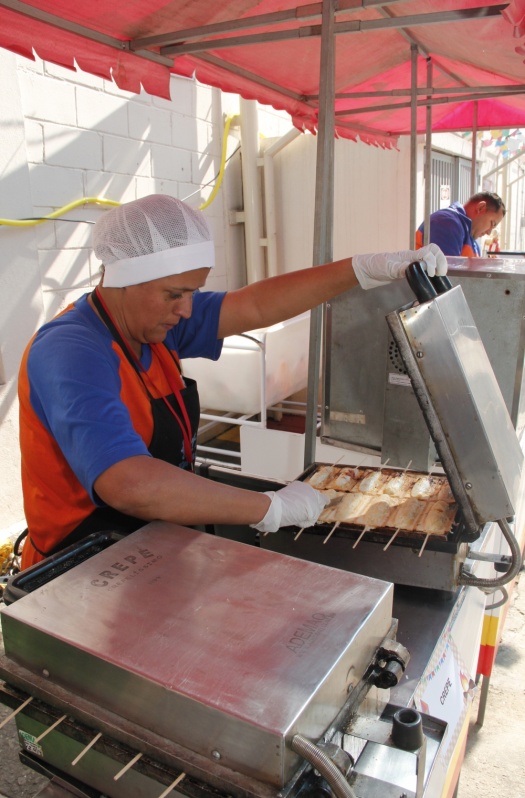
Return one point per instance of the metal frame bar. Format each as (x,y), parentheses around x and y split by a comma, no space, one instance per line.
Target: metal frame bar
(298,14)
(80,30)
(425,103)
(428,157)
(324,215)
(252,77)
(139,46)
(518,88)
(351,26)
(413,143)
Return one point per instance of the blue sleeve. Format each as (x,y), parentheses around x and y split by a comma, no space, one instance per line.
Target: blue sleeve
(447,232)
(80,404)
(197,336)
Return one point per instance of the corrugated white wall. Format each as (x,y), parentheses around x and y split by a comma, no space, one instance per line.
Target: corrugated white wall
(371,200)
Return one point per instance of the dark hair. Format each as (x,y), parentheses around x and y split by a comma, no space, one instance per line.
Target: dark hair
(494,201)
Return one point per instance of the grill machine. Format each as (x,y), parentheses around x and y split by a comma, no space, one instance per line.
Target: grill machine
(214,668)
(176,662)
(438,378)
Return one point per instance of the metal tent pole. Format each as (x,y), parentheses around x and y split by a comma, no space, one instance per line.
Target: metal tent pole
(473,180)
(413,145)
(324,213)
(428,158)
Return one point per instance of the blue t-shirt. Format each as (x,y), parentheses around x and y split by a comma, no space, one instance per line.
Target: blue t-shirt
(451,230)
(78,391)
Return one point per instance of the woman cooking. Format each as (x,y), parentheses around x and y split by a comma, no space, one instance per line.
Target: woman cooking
(107,421)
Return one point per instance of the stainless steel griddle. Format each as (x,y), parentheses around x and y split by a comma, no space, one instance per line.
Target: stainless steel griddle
(447,377)
(207,643)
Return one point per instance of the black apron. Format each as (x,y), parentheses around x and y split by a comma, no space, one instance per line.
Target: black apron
(167,443)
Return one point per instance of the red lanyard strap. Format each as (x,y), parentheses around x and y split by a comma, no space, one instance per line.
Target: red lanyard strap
(160,351)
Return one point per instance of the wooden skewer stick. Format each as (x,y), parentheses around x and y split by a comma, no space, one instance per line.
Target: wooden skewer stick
(366,529)
(303,528)
(127,767)
(359,464)
(391,539)
(172,785)
(86,749)
(331,532)
(407,466)
(422,549)
(50,729)
(13,714)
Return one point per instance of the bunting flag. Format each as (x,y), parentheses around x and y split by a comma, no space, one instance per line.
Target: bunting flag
(507,142)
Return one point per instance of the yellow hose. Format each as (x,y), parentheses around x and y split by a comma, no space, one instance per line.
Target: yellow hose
(59,212)
(223,164)
(99,201)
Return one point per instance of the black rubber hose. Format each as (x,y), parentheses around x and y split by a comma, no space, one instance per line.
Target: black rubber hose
(508,576)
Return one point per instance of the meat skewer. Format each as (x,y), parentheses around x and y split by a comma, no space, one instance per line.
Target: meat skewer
(127,767)
(50,728)
(172,785)
(369,498)
(422,549)
(391,539)
(16,711)
(86,748)
(366,529)
(331,532)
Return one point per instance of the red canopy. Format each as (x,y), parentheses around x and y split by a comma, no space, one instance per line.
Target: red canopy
(270,51)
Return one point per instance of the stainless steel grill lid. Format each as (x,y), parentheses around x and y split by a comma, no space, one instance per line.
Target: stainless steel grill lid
(462,403)
(224,648)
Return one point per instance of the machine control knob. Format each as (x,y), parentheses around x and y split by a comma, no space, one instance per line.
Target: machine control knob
(391,661)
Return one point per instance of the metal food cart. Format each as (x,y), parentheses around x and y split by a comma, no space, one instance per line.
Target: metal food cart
(175,661)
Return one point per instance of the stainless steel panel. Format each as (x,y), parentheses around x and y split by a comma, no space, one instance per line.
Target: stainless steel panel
(224,648)
(355,364)
(401,564)
(463,404)
(384,771)
(363,407)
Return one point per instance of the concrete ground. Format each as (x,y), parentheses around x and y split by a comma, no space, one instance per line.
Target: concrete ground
(494,766)
(495,760)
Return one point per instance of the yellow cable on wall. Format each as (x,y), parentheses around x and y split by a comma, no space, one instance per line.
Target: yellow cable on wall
(223,164)
(59,212)
(99,201)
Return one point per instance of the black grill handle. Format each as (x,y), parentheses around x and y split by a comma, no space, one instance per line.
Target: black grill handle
(441,284)
(424,287)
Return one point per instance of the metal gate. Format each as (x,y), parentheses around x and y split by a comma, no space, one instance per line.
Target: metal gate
(450,180)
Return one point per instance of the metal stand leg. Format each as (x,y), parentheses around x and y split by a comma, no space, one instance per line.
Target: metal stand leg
(485,681)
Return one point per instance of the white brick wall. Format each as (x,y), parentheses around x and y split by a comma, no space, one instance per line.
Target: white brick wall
(79,136)
(67,136)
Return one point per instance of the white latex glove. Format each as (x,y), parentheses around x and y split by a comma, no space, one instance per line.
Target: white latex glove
(298,504)
(374,270)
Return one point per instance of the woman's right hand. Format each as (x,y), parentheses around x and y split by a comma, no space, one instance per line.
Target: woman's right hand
(297,504)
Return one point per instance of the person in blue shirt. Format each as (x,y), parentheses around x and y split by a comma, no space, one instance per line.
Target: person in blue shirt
(456,229)
(108,421)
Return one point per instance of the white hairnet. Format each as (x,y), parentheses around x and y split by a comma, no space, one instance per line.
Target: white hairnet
(152,237)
